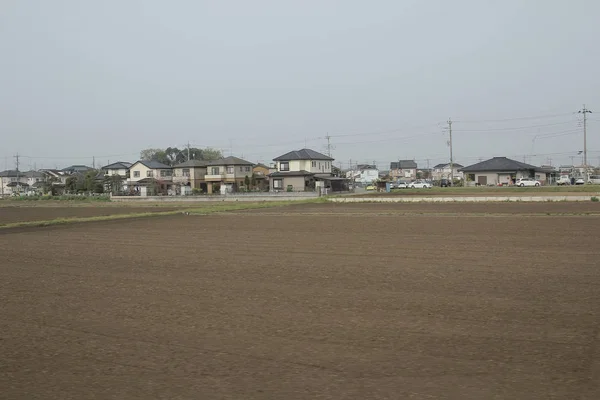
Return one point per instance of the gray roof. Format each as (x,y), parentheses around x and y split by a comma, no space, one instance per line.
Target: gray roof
(10,173)
(403,164)
(152,164)
(33,174)
(444,165)
(500,164)
(192,163)
(77,168)
(118,165)
(229,161)
(304,154)
(365,166)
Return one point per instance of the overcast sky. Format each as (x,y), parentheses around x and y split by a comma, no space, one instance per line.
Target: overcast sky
(260,78)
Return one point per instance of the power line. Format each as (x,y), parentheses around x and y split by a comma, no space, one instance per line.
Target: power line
(514,119)
(513,128)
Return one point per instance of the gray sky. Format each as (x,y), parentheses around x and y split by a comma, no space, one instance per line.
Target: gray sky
(109,78)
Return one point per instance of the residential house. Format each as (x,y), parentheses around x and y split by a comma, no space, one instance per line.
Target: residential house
(119,168)
(192,174)
(260,174)
(363,173)
(73,169)
(443,171)
(12,181)
(305,170)
(227,174)
(150,177)
(403,170)
(56,179)
(502,171)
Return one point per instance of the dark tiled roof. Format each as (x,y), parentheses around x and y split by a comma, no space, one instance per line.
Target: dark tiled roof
(118,165)
(10,173)
(77,168)
(365,166)
(404,164)
(500,164)
(304,154)
(34,174)
(229,161)
(152,164)
(192,163)
(13,184)
(444,165)
(290,173)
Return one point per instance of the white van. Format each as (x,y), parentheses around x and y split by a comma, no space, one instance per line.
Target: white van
(563,180)
(594,180)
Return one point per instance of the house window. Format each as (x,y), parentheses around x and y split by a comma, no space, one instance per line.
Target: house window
(149,173)
(230,170)
(214,171)
(247,169)
(314,164)
(284,166)
(136,174)
(277,183)
(185,172)
(165,172)
(241,169)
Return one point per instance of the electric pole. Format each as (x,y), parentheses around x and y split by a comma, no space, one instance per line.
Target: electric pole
(328,145)
(188,148)
(18,180)
(585,111)
(451,156)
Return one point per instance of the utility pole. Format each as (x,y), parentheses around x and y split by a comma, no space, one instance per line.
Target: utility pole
(328,145)
(18,178)
(451,155)
(94,162)
(585,111)
(428,171)
(188,148)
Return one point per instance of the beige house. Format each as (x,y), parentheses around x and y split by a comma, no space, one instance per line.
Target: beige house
(150,176)
(191,173)
(403,170)
(228,174)
(299,170)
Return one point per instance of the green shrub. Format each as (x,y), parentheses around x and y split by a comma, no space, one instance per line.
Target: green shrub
(595,199)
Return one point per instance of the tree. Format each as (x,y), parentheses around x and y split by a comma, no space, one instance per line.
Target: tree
(71,184)
(247,182)
(172,155)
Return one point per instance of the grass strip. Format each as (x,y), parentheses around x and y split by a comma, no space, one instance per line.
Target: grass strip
(209,209)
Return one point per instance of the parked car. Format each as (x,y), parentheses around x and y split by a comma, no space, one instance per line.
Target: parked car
(370,187)
(402,185)
(420,185)
(445,183)
(563,180)
(580,181)
(527,182)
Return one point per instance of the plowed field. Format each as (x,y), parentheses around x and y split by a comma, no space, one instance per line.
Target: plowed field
(305,302)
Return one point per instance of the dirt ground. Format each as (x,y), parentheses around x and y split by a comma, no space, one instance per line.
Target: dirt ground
(294,305)
(18,214)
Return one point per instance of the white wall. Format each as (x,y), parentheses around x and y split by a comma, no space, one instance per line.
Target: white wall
(314,166)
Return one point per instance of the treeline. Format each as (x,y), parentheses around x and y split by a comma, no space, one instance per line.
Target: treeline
(173,155)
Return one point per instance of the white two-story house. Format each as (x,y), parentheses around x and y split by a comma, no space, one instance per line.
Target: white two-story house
(120,168)
(299,170)
(155,176)
(443,171)
(363,173)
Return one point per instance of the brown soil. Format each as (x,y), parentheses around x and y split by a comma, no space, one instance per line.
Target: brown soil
(300,306)
(19,214)
(521,208)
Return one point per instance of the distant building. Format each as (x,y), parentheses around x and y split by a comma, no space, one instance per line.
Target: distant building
(363,173)
(403,169)
(502,171)
(443,171)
